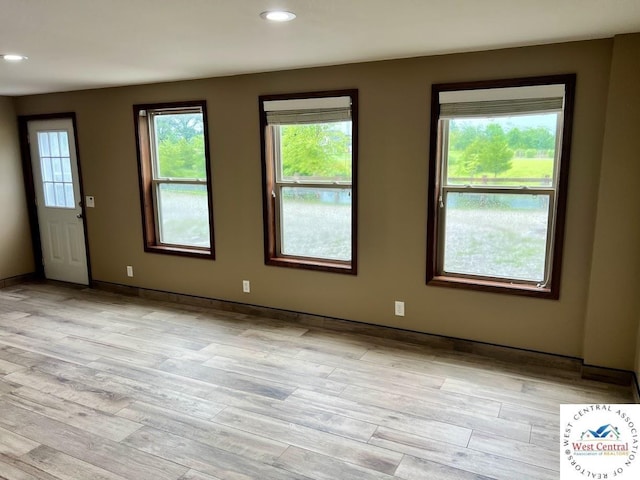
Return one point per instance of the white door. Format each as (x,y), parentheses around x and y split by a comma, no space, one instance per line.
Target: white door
(57,187)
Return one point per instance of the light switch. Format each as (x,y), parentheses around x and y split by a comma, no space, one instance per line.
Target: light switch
(90,201)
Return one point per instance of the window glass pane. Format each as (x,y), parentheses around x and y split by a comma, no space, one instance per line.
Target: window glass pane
(68,195)
(60,200)
(316,152)
(59,195)
(180,146)
(66,169)
(64,144)
(47,174)
(43,144)
(57,169)
(53,144)
(496,235)
(49,195)
(183,212)
(316,222)
(502,151)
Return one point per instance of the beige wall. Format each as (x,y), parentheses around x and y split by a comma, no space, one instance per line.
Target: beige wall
(638,356)
(394,122)
(16,256)
(614,305)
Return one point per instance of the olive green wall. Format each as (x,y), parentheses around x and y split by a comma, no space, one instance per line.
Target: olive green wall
(614,305)
(394,121)
(638,356)
(16,256)
(613,301)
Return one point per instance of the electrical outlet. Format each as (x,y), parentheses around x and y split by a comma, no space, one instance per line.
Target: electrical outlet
(246,286)
(129,271)
(399,308)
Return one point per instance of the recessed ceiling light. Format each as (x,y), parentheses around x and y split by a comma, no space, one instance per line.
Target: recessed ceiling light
(278,16)
(13,57)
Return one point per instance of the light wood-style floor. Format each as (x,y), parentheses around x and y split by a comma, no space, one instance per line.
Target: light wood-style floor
(95,385)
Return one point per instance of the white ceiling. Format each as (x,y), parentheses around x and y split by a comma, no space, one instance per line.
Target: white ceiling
(79,44)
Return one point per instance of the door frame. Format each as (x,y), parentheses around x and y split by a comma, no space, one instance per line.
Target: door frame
(29,185)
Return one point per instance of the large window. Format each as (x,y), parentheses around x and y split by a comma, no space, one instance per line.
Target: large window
(175,186)
(499,164)
(309,166)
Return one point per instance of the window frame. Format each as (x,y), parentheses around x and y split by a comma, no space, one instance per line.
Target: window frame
(437,166)
(145,145)
(272,183)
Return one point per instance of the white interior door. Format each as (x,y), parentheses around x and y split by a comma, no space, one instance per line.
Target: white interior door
(57,188)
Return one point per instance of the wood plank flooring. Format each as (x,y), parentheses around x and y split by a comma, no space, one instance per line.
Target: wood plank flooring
(95,385)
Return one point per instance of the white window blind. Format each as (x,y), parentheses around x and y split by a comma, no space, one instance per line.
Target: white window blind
(502,101)
(308,110)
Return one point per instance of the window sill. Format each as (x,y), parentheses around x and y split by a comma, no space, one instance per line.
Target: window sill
(319,265)
(494,286)
(181,251)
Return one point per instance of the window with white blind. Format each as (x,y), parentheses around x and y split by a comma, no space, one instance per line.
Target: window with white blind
(499,165)
(173,160)
(309,168)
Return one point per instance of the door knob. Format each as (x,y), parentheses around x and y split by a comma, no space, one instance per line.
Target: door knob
(79,215)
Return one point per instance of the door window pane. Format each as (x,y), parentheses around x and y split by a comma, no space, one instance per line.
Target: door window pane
(57,169)
(60,200)
(68,195)
(66,169)
(64,144)
(47,174)
(49,195)
(43,144)
(53,144)
(55,164)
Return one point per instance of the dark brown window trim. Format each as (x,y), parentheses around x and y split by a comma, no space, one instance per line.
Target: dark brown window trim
(311,264)
(151,243)
(269,205)
(495,286)
(433,277)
